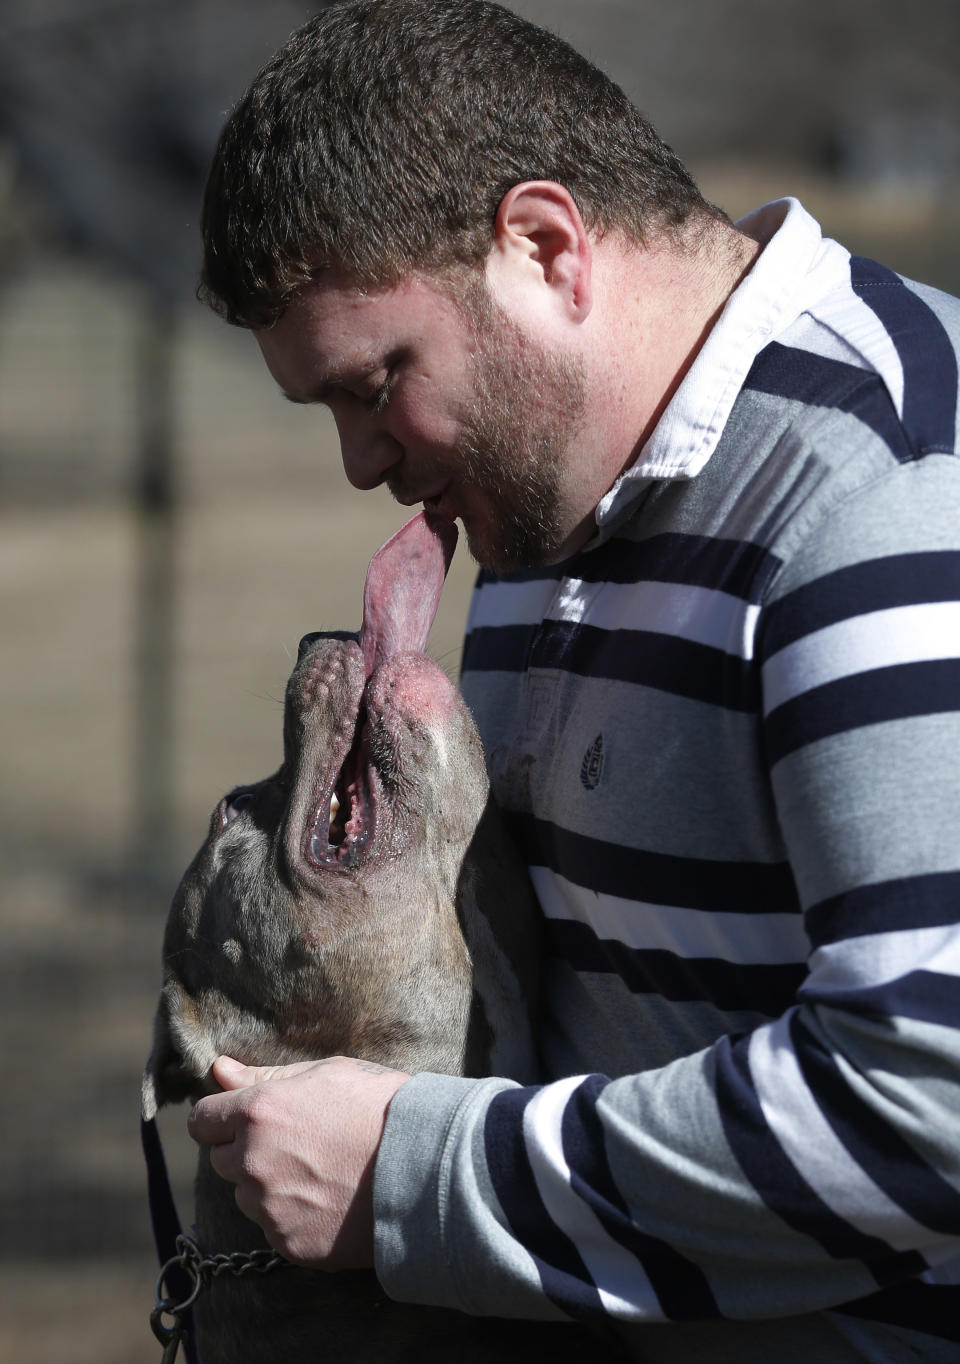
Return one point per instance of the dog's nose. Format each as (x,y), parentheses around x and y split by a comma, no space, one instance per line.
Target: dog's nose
(312,638)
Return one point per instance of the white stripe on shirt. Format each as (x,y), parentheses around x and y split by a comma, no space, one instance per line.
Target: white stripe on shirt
(812,1146)
(627,1291)
(879,958)
(702,615)
(876,639)
(747,939)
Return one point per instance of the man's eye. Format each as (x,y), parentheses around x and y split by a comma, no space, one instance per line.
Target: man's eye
(377,402)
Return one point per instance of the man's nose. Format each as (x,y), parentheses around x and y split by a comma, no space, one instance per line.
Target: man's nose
(368,452)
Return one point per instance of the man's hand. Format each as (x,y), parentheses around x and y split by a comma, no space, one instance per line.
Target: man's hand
(299,1142)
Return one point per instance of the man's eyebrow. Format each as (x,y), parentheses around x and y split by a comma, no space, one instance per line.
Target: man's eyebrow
(320,391)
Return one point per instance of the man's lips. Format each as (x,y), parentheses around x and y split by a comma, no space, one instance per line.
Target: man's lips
(436,498)
(440,507)
(409,498)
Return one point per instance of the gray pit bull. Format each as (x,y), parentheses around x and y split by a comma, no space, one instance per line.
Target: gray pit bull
(363,901)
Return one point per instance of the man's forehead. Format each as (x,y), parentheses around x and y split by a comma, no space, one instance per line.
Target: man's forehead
(335,311)
(332,292)
(335,327)
(329,326)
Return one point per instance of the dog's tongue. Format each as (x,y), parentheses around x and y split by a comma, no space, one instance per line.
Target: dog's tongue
(402,591)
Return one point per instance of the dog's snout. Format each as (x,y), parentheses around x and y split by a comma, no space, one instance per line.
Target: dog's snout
(311,639)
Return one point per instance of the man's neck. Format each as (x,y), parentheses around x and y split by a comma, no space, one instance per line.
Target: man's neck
(655,307)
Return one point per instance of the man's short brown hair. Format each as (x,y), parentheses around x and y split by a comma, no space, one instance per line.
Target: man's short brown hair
(382,137)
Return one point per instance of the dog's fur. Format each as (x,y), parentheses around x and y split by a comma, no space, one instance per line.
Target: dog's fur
(411,942)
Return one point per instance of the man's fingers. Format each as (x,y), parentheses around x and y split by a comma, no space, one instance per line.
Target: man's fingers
(225,1161)
(248,1200)
(213,1121)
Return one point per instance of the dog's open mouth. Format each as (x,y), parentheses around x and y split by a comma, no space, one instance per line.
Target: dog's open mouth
(400,599)
(344,821)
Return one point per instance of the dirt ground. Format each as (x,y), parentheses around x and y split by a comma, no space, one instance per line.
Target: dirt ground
(269,543)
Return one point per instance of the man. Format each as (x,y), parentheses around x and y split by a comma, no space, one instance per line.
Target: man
(710,473)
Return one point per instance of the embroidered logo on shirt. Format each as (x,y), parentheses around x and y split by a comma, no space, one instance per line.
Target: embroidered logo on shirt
(591,769)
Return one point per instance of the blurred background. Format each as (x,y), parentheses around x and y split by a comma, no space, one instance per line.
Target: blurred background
(169,527)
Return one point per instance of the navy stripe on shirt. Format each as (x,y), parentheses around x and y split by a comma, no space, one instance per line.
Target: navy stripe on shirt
(875,585)
(563,1274)
(925,996)
(657,878)
(926,354)
(650,659)
(680,1285)
(780,1184)
(885,1157)
(646,658)
(868,698)
(497,648)
(733,986)
(739,567)
(788,372)
(928,901)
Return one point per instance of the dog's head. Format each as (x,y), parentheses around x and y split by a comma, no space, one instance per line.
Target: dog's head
(363,900)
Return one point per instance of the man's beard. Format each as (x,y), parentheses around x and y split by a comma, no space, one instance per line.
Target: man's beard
(516,442)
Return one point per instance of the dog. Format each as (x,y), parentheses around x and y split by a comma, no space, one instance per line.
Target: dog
(364,900)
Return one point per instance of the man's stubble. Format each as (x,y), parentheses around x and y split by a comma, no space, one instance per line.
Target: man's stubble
(516,444)
(517,437)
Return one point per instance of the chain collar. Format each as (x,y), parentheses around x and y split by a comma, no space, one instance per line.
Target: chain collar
(200,1270)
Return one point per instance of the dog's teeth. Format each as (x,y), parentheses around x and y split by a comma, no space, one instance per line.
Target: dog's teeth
(319,847)
(334,807)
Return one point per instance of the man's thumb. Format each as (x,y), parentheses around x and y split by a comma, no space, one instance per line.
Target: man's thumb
(231,1074)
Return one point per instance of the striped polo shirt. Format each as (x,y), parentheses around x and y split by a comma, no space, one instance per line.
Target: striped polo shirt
(726,733)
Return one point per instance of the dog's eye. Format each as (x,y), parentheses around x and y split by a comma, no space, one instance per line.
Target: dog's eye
(241,799)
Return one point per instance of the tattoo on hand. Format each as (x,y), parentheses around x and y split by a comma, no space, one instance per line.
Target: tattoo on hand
(373,1067)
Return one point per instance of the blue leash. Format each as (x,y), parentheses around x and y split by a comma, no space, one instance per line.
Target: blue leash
(175,1286)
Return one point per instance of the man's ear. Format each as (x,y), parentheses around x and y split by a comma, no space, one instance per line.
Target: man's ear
(541,243)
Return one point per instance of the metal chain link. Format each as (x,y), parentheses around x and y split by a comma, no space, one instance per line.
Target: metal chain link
(237,1263)
(201,1269)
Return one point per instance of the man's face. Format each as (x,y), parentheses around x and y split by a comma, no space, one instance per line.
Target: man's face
(448,402)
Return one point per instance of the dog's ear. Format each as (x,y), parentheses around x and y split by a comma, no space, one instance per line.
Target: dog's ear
(166,1079)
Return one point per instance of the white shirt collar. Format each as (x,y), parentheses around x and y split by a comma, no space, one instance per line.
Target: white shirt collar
(797,264)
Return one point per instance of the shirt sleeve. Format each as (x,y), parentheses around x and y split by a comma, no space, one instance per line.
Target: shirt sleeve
(816,1158)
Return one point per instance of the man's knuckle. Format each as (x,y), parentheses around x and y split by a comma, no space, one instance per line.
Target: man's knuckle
(259,1107)
(293,1247)
(252,1168)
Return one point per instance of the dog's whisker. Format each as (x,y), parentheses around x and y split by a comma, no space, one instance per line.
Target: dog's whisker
(449,661)
(264,696)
